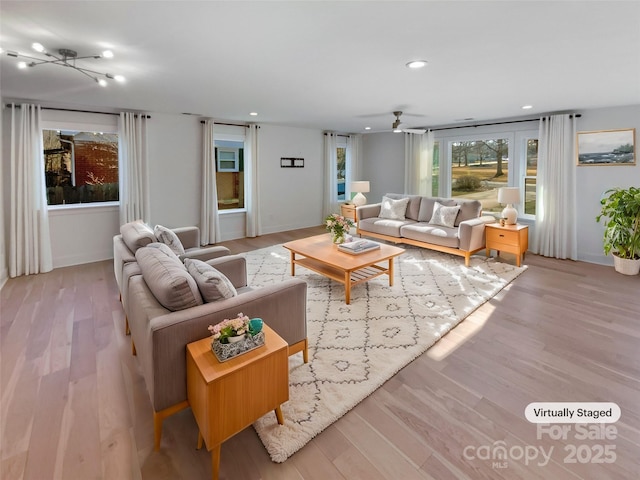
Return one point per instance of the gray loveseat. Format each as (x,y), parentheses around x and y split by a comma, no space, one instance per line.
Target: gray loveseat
(167,309)
(458,228)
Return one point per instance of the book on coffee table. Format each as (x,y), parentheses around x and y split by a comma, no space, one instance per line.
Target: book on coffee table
(358,246)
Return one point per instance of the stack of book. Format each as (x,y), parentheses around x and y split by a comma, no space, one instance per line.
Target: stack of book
(357,247)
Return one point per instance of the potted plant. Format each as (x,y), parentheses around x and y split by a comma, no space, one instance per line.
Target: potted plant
(621,213)
(338,226)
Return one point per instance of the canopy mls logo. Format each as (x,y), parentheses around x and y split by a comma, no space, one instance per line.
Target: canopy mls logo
(572,412)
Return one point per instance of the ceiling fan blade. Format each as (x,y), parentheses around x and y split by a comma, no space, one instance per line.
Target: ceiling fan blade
(419,131)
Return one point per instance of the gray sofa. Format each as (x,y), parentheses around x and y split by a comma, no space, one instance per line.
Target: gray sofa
(459,231)
(167,309)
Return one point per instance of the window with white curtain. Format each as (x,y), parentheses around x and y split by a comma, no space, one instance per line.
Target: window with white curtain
(343,169)
(529,160)
(80,165)
(230,171)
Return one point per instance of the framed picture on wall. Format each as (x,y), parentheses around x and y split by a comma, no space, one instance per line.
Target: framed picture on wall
(607,147)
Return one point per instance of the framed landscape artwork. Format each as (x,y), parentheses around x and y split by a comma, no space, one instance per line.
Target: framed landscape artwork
(607,147)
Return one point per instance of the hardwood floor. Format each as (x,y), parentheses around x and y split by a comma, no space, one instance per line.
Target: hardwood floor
(74,405)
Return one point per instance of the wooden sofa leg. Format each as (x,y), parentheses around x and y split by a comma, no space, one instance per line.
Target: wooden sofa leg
(467,259)
(301,346)
(158,418)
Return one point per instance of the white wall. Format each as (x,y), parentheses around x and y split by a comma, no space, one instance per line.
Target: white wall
(291,197)
(383,165)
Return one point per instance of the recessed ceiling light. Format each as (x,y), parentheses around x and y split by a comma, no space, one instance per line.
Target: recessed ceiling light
(527,107)
(367,128)
(417,64)
(37,47)
(107,54)
(254,114)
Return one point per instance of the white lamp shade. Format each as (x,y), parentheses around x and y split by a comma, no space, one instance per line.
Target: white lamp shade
(509,196)
(360,186)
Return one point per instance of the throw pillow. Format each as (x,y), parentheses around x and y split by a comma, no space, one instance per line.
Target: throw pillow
(393,209)
(169,238)
(213,285)
(444,216)
(168,279)
(137,234)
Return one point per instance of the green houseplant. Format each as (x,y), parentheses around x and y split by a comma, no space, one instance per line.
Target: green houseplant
(620,210)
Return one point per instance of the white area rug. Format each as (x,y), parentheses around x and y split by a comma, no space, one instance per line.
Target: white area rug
(354,349)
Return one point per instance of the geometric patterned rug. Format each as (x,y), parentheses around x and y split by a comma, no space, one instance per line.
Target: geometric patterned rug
(354,349)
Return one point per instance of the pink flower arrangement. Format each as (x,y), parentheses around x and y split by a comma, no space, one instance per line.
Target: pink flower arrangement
(230,328)
(338,225)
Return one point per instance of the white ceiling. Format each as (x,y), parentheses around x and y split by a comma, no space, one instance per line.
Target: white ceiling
(331,65)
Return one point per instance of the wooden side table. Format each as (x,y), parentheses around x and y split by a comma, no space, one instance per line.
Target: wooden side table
(348,211)
(226,397)
(510,238)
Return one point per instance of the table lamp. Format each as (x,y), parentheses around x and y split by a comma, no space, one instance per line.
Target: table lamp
(361,186)
(509,195)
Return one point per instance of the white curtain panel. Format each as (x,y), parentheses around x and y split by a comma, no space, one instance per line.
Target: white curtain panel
(555,228)
(252,195)
(209,220)
(29,239)
(134,188)
(331,205)
(354,160)
(418,158)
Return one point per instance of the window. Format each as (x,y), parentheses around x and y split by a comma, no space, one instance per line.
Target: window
(530,174)
(479,167)
(435,171)
(80,166)
(230,172)
(341,168)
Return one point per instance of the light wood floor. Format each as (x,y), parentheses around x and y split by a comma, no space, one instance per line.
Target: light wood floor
(74,405)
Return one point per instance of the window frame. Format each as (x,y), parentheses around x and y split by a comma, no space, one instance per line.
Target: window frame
(81,126)
(232,137)
(522,138)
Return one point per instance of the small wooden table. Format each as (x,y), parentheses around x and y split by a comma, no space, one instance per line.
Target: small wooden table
(228,397)
(510,238)
(348,211)
(319,254)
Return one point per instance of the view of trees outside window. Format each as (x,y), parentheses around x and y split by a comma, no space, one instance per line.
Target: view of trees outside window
(435,170)
(530,177)
(80,167)
(478,169)
(341,169)
(230,174)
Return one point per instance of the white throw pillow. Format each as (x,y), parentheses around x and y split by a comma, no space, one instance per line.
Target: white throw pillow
(444,216)
(393,209)
(213,285)
(169,238)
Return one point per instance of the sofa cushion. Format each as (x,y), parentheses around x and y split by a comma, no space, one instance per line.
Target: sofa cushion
(167,278)
(435,234)
(468,209)
(444,216)
(213,285)
(169,238)
(393,209)
(413,207)
(137,234)
(383,226)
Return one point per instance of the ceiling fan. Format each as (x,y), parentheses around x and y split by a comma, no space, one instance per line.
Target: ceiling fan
(398,126)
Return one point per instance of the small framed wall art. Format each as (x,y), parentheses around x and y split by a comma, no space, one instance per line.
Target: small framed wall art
(607,147)
(289,162)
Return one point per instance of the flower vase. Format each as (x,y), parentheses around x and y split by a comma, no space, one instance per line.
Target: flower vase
(338,238)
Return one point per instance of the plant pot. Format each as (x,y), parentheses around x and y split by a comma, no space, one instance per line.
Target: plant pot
(626,266)
(237,338)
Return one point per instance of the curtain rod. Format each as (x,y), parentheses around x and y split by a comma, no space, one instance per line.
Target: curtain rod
(338,135)
(494,123)
(229,124)
(17,105)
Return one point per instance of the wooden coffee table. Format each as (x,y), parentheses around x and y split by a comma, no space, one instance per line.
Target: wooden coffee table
(319,254)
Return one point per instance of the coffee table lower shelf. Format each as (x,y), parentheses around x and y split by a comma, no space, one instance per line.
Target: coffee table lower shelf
(346,277)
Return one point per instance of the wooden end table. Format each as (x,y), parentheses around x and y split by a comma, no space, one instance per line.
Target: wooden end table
(319,254)
(348,211)
(226,397)
(510,238)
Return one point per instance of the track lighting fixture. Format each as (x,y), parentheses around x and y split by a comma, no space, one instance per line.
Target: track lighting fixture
(67,58)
